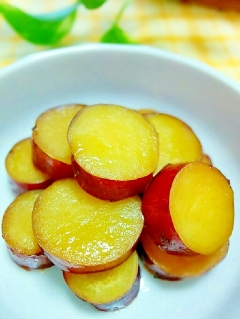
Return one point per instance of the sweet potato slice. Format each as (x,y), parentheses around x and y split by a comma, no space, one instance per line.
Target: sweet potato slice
(177,141)
(20,168)
(175,267)
(189,208)
(108,290)
(81,233)
(18,233)
(115,151)
(201,205)
(51,152)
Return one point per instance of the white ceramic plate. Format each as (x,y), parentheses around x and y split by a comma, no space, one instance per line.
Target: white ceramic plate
(137,77)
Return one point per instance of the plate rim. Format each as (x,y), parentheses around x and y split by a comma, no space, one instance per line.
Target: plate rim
(142,49)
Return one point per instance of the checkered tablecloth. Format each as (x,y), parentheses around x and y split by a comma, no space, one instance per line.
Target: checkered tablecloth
(191,30)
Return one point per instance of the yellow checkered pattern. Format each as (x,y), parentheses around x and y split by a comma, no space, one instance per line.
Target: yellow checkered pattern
(191,30)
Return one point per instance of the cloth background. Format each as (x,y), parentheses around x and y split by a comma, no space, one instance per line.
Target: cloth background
(188,29)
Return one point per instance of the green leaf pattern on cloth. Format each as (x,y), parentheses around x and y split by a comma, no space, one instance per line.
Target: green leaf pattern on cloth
(44,29)
(50,28)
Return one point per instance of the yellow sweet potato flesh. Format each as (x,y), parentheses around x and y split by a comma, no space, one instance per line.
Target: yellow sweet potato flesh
(113,142)
(19,164)
(17,228)
(181,266)
(202,207)
(50,131)
(83,230)
(105,286)
(177,141)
